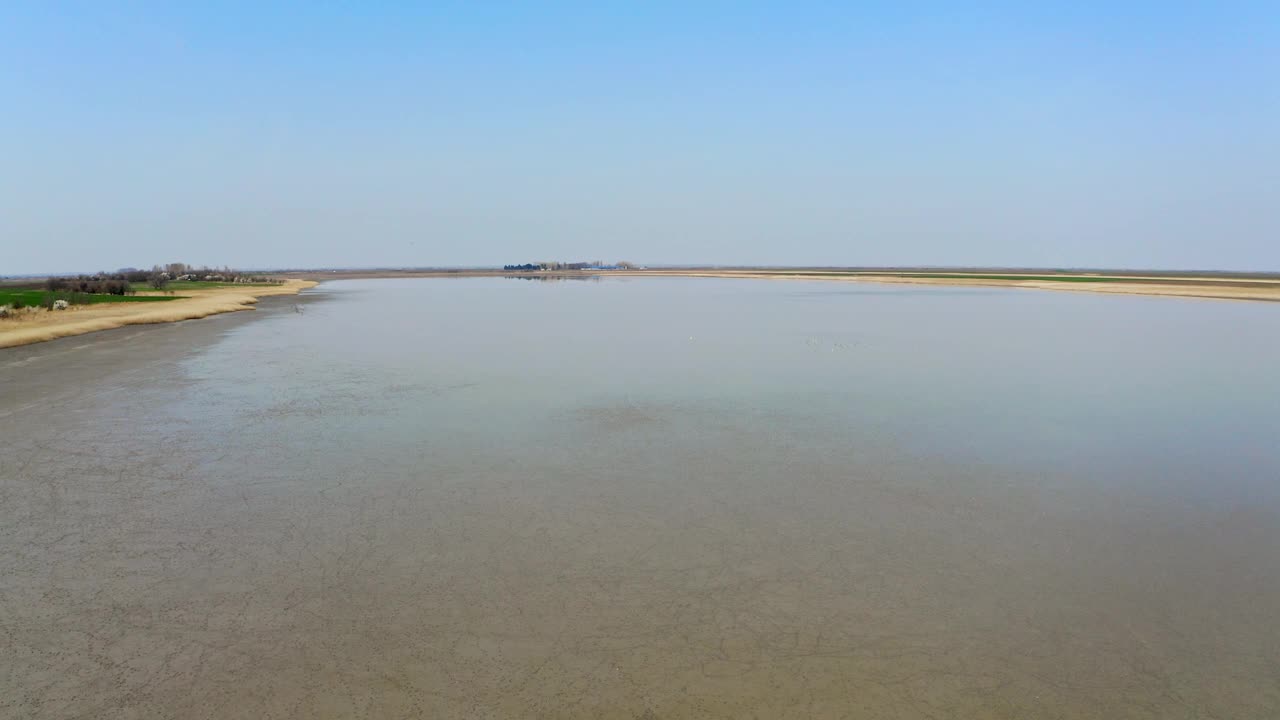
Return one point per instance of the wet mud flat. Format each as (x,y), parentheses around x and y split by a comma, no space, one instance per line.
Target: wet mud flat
(262,518)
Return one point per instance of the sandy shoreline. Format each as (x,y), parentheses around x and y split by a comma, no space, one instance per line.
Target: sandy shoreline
(1212,288)
(1220,286)
(78,320)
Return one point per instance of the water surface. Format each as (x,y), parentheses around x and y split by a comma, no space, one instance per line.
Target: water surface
(648,498)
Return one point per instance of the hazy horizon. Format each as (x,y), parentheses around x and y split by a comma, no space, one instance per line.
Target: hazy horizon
(1082,136)
(650,266)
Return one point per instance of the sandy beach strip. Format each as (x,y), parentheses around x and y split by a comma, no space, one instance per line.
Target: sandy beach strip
(1221,286)
(26,329)
(1191,287)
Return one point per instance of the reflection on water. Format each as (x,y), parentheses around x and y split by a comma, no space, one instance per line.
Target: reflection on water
(649,498)
(555,278)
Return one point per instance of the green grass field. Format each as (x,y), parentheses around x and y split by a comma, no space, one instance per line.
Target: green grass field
(34,296)
(38,297)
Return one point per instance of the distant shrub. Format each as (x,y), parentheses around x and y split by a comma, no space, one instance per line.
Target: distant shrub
(100,286)
(96,285)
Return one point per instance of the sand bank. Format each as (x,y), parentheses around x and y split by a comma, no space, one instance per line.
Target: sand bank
(80,319)
(1224,288)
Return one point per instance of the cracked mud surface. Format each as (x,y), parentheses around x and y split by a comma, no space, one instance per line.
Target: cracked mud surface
(801,514)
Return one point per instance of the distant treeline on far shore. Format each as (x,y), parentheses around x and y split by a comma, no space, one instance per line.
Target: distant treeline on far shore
(594,265)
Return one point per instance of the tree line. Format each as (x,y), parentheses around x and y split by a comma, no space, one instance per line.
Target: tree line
(158,277)
(593,265)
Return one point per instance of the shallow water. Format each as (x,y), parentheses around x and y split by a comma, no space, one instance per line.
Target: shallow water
(648,498)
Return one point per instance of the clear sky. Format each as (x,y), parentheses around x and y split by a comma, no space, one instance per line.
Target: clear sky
(1138,134)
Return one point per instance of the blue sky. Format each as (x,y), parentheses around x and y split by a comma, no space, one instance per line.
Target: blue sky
(363,134)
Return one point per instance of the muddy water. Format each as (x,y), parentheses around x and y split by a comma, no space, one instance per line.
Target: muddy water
(655,498)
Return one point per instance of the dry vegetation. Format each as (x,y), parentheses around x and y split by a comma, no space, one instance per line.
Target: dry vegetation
(39,325)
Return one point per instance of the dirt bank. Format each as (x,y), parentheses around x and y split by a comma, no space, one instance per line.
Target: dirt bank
(1219,288)
(1225,286)
(80,319)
